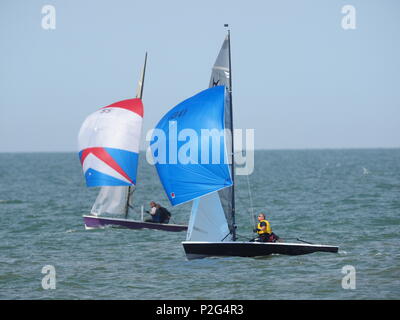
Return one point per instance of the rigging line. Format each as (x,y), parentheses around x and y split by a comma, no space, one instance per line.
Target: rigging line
(173,221)
(226,236)
(304,241)
(251,201)
(299,240)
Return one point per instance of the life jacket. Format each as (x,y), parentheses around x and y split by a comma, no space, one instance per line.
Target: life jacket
(267,227)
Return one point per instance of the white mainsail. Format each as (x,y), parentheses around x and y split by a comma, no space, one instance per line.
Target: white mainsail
(112,200)
(207,220)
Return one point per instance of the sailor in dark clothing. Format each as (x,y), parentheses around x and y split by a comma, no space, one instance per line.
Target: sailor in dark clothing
(158,214)
(163,214)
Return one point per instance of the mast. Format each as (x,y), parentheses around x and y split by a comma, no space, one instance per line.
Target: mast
(139,92)
(139,95)
(232,144)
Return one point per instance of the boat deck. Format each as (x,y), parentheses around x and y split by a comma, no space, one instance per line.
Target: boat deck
(93,222)
(199,249)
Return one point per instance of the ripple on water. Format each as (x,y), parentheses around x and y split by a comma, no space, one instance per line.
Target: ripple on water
(304,193)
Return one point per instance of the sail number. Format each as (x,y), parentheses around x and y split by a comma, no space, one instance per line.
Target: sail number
(177,114)
(221,309)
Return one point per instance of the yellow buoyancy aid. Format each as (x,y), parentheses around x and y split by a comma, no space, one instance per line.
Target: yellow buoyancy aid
(267,227)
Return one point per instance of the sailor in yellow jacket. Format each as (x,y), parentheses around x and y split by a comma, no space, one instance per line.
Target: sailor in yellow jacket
(264,230)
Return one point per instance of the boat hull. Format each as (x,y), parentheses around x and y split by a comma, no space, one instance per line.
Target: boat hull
(197,249)
(92,222)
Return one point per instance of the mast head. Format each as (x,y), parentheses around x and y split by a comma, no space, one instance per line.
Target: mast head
(229,30)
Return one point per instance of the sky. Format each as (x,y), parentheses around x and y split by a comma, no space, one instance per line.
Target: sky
(300,80)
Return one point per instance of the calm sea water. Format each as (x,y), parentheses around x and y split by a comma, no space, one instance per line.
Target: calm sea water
(349,198)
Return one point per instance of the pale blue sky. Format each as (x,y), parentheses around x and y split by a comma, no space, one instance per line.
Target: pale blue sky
(299,79)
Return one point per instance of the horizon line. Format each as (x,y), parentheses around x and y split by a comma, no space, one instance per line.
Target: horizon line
(256,149)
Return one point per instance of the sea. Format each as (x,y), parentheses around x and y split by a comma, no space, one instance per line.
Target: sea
(349,198)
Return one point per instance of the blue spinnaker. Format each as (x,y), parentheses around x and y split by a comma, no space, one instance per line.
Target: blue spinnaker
(193,160)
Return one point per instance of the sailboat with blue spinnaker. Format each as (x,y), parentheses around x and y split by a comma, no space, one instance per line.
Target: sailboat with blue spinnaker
(207,184)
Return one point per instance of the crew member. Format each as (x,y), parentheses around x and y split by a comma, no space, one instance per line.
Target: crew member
(155,216)
(264,230)
(163,213)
